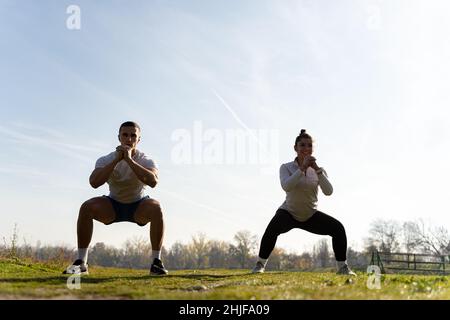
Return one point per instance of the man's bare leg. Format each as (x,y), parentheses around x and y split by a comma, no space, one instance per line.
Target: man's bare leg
(98,208)
(150,211)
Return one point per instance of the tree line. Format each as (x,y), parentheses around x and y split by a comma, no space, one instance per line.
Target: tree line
(241,253)
(408,236)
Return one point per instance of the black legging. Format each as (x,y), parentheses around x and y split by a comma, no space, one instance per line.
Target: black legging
(319,223)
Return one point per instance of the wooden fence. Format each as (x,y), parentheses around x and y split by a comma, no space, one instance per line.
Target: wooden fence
(410,262)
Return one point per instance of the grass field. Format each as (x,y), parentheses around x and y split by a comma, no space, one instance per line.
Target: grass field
(23,280)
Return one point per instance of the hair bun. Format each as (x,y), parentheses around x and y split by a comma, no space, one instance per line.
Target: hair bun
(302,131)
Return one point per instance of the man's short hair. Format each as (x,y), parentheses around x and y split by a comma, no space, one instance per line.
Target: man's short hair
(129,124)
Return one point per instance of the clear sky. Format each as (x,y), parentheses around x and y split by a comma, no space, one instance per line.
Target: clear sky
(369,80)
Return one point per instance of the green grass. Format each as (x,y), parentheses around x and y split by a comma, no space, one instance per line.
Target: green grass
(23,280)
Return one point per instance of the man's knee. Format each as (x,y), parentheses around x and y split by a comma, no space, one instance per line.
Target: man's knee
(88,208)
(153,208)
(85,210)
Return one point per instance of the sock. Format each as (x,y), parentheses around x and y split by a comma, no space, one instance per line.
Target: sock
(156,254)
(83,254)
(263,261)
(340,264)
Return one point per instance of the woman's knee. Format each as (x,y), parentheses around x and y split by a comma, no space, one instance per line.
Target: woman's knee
(338,229)
(274,230)
(280,223)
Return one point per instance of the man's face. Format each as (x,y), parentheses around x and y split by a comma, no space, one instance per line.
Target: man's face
(129,136)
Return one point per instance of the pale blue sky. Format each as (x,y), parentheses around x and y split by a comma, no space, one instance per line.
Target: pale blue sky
(368,79)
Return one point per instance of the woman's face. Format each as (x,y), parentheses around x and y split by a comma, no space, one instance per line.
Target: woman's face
(304,147)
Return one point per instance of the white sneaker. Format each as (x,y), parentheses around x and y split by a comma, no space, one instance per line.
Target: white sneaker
(78,267)
(345,270)
(259,268)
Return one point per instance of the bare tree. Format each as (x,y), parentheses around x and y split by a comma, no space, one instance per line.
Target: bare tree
(199,247)
(427,238)
(358,260)
(384,235)
(322,253)
(411,241)
(218,254)
(104,255)
(177,256)
(246,243)
(305,261)
(276,260)
(137,252)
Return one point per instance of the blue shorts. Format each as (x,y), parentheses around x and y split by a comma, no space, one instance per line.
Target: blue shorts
(125,211)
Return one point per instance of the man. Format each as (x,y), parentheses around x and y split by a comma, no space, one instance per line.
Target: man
(127,171)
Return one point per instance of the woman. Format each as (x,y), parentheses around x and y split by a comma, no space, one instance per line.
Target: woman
(300,179)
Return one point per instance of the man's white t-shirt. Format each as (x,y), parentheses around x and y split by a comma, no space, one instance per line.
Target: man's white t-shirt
(124,185)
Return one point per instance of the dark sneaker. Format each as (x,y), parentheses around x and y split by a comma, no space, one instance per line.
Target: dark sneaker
(345,270)
(78,267)
(157,268)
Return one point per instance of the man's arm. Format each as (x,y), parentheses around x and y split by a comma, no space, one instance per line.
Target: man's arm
(100,175)
(148,176)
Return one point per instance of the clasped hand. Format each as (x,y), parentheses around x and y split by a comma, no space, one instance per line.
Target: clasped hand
(123,153)
(309,161)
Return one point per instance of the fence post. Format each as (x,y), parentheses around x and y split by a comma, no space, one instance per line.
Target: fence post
(408,259)
(380,263)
